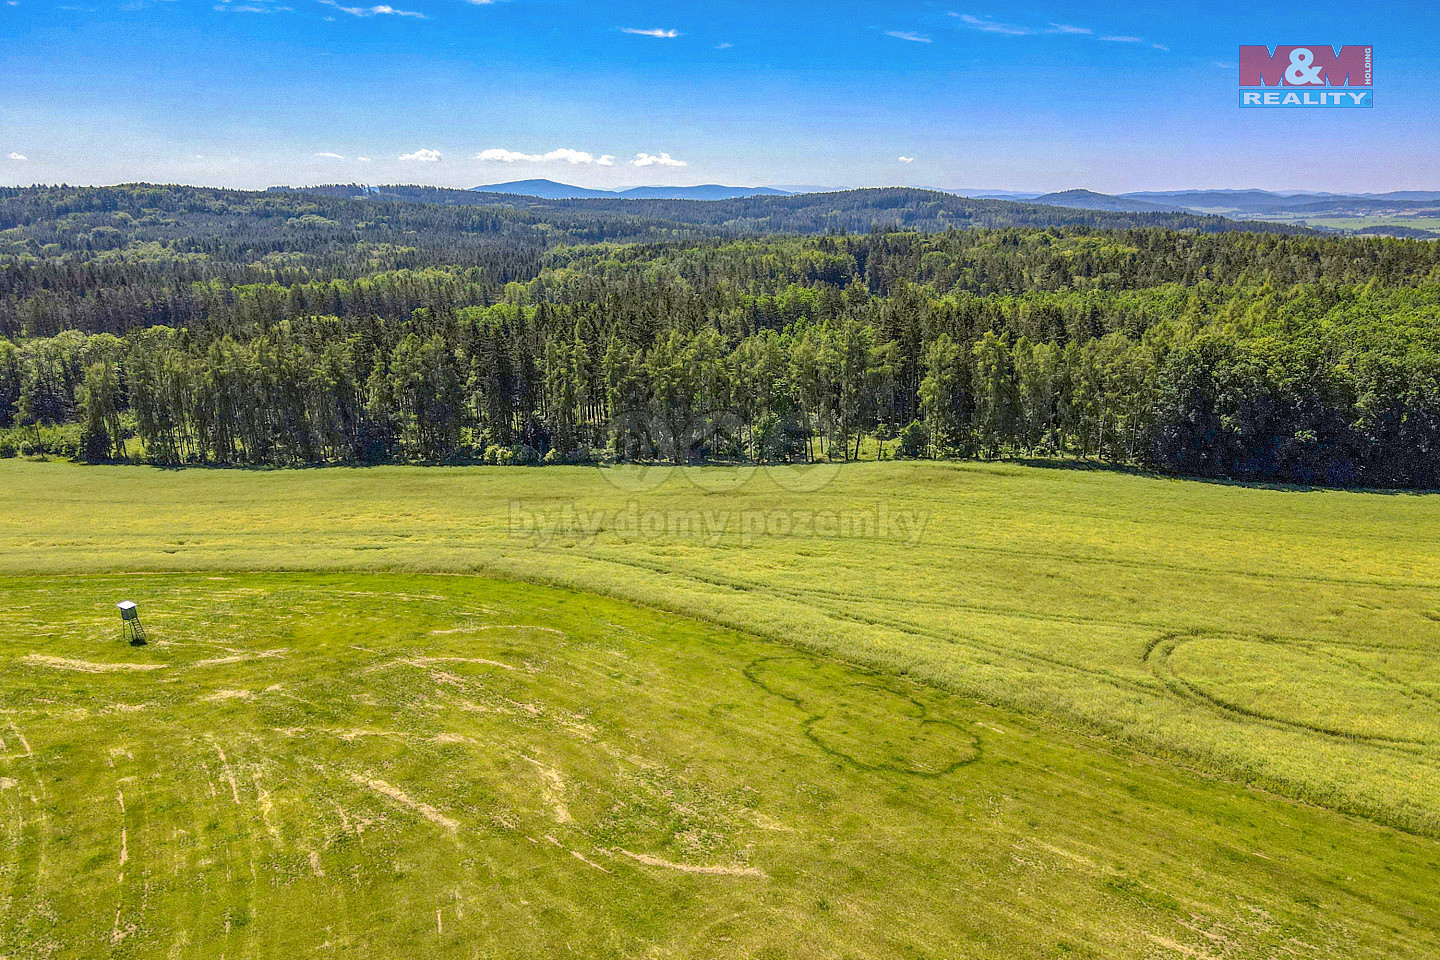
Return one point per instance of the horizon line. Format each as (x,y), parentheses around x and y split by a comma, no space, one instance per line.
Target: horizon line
(729,186)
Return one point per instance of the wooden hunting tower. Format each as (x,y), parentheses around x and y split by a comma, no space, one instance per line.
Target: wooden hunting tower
(130,622)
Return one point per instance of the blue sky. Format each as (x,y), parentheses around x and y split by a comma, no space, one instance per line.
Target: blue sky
(1043,95)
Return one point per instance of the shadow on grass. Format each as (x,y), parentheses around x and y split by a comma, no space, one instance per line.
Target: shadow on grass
(1092,466)
(1042,463)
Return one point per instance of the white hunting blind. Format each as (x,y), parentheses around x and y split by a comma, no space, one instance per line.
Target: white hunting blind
(130,621)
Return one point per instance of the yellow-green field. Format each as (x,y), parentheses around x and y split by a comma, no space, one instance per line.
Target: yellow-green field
(1142,717)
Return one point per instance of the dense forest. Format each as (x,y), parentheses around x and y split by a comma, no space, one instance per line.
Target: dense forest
(182,325)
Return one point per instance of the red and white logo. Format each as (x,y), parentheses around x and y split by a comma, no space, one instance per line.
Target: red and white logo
(1271,76)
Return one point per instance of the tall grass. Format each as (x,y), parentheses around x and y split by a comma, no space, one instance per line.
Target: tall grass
(1282,638)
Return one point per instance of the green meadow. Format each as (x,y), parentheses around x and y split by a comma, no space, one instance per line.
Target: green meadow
(886,709)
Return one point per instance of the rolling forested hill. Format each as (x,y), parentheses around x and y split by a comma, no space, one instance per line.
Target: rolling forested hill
(186,325)
(885,208)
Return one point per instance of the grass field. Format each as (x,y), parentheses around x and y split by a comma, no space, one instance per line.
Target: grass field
(391,765)
(1125,678)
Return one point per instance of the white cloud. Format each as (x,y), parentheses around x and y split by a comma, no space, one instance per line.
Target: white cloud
(363,159)
(577,157)
(330,156)
(908,35)
(662,160)
(1067,28)
(906,159)
(565,154)
(1160,46)
(423,156)
(986,25)
(379,10)
(653,32)
(723,46)
(18,156)
(1115,39)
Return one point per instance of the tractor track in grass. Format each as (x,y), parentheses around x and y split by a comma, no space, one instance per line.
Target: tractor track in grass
(1158,657)
(1169,683)
(921,718)
(1001,652)
(842,732)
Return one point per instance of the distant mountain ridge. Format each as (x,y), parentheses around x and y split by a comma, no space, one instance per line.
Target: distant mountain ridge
(979,193)
(883,208)
(1090,200)
(1241,204)
(1401,213)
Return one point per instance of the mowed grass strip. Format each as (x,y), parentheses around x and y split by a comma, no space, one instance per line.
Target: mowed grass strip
(1109,603)
(387,764)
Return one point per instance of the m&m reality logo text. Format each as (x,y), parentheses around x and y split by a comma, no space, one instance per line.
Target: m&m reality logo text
(1313,75)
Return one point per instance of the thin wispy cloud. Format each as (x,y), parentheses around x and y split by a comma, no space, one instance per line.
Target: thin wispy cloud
(17,156)
(990,25)
(986,25)
(251,6)
(379,10)
(330,156)
(423,156)
(561,155)
(658,32)
(908,35)
(658,160)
